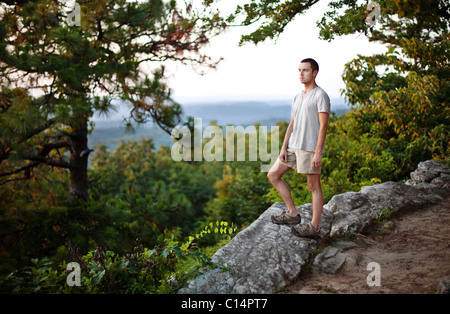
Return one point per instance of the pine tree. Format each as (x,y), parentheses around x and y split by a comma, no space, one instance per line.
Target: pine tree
(62,61)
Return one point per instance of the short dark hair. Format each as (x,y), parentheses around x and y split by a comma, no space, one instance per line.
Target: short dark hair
(314,64)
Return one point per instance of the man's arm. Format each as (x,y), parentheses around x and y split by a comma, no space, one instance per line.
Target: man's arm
(323,120)
(283,152)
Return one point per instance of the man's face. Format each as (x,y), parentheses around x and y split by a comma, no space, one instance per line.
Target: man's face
(306,73)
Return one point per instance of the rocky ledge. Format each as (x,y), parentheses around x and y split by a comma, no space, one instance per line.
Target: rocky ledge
(265,257)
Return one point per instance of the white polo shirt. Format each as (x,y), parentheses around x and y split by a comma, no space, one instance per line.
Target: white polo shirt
(305,111)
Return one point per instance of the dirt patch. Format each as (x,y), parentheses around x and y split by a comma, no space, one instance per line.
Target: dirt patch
(412,250)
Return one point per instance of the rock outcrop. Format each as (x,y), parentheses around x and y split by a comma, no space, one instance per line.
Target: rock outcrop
(265,256)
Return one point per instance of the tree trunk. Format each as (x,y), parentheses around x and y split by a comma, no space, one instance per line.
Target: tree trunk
(79,154)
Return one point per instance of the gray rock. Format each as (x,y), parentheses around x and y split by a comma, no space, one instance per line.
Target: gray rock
(392,196)
(427,171)
(331,265)
(443,286)
(422,175)
(262,257)
(332,258)
(431,165)
(266,256)
(347,202)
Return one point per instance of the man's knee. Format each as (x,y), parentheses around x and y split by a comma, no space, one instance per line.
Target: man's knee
(272,176)
(314,183)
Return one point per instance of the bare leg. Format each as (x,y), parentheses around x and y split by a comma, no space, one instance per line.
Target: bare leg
(317,198)
(274,176)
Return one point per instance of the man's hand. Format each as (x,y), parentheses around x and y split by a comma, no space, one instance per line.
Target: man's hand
(317,160)
(283,155)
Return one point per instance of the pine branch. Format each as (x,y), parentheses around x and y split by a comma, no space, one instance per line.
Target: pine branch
(38,130)
(17,170)
(40,158)
(49,161)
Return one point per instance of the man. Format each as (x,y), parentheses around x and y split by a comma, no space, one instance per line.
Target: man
(302,150)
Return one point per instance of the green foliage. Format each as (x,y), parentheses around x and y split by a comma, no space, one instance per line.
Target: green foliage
(156,192)
(40,277)
(270,16)
(383,215)
(163,269)
(363,158)
(239,195)
(136,195)
(400,98)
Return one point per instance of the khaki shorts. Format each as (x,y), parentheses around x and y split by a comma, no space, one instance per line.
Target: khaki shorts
(300,160)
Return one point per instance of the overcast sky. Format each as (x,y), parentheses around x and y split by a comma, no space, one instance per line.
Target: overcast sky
(270,70)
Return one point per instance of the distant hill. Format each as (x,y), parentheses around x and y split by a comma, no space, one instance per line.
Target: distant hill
(241,113)
(250,112)
(111,132)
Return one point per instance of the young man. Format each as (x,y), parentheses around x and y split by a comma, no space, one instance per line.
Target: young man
(302,150)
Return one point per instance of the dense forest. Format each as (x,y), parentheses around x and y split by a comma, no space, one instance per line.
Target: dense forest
(137,221)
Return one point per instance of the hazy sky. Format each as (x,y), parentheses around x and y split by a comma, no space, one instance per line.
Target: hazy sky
(269,70)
